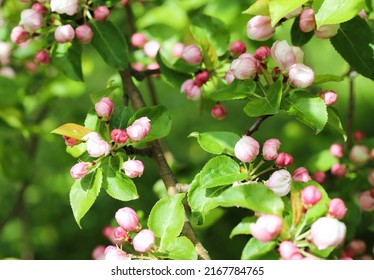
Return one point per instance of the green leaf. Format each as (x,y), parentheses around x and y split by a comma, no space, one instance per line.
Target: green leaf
(335,123)
(120,117)
(167,218)
(220,171)
(308,109)
(210,56)
(110,44)
(77,150)
(243,226)
(210,29)
(260,7)
(255,249)
(354,42)
(280,8)
(320,253)
(217,142)
(267,104)
(160,121)
(72,130)
(116,183)
(84,192)
(338,11)
(322,161)
(299,38)
(107,92)
(325,78)
(8,92)
(168,74)
(92,121)
(67,58)
(236,90)
(256,197)
(180,248)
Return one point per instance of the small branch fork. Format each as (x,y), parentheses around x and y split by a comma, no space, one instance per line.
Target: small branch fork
(256,125)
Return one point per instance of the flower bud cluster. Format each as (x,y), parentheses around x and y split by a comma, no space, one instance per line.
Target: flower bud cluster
(192,87)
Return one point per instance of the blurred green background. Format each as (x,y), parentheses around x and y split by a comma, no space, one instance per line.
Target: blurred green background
(36,220)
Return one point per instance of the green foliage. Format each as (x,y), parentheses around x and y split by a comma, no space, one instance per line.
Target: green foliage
(354,42)
(260,7)
(67,58)
(335,123)
(9,92)
(120,117)
(243,226)
(255,249)
(299,38)
(235,90)
(280,8)
(181,248)
(72,130)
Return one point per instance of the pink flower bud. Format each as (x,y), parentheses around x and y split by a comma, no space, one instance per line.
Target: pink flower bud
(84,33)
(327,232)
(119,135)
(104,108)
(31,66)
(31,20)
(70,141)
(307,21)
(101,13)
(338,170)
(96,147)
(266,228)
(98,253)
(300,75)
(301,174)
(192,55)
(139,129)
(201,78)
(244,68)
(279,182)
(285,55)
(289,251)
(126,217)
(218,112)
(42,57)
(229,77)
(357,246)
(133,168)
(337,208)
(270,149)
(120,234)
(19,35)
(113,253)
(310,195)
(359,135)
(284,159)
(327,31)
(247,149)
(259,28)
(319,177)
(372,192)
(138,66)
(329,97)
(337,150)
(64,33)
(359,154)
(177,50)
(366,201)
(138,39)
(151,48)
(39,7)
(68,7)
(80,170)
(5,52)
(237,48)
(371,177)
(262,53)
(144,241)
(192,91)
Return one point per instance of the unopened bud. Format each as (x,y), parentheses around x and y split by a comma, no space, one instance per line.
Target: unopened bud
(151,48)
(338,170)
(127,218)
(307,21)
(133,168)
(259,28)
(104,108)
(144,241)
(289,251)
(301,174)
(337,208)
(327,31)
(244,68)
(19,35)
(42,57)
(262,53)
(300,75)
(329,97)
(337,150)
(201,78)
(327,232)
(266,228)
(64,33)
(359,154)
(246,149)
(310,195)
(218,112)
(138,39)
(192,55)
(270,149)
(80,170)
(68,7)
(319,177)
(119,135)
(101,13)
(284,159)
(237,48)
(279,182)
(84,33)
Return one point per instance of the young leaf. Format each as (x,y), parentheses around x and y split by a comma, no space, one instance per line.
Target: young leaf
(166,219)
(338,11)
(322,161)
(77,150)
(266,105)
(235,90)
(325,78)
(354,42)
(116,183)
(169,74)
(335,123)
(107,92)
(68,59)
(210,29)
(110,44)
(180,248)
(260,7)
(280,8)
(72,130)
(84,192)
(160,121)
(217,142)
(299,38)
(255,249)
(256,197)
(120,117)
(243,226)
(308,109)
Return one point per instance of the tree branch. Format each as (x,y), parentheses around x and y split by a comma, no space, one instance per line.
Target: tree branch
(141,75)
(256,124)
(166,173)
